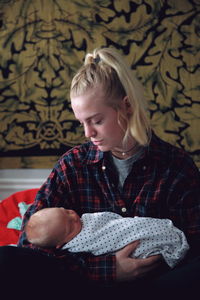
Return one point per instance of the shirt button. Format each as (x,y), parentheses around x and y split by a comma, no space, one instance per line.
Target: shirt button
(124,209)
(103,168)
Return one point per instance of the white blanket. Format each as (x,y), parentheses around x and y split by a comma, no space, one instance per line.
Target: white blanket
(107,232)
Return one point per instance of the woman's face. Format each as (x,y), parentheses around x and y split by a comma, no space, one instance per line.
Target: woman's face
(99,120)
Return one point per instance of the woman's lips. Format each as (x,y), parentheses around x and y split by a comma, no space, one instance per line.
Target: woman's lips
(97,142)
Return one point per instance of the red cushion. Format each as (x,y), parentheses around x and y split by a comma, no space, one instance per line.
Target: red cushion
(11,212)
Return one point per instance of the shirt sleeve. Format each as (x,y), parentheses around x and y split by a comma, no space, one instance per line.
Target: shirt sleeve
(184,201)
(49,195)
(102,268)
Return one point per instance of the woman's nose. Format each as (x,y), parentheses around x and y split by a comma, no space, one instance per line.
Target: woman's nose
(89,131)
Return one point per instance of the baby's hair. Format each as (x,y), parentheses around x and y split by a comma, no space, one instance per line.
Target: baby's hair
(105,67)
(37,230)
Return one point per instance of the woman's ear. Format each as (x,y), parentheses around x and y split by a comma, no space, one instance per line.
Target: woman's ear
(127,105)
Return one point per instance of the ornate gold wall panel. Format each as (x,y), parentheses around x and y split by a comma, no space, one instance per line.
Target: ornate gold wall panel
(43,43)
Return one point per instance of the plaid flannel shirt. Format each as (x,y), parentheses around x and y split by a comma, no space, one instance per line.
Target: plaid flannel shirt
(163,183)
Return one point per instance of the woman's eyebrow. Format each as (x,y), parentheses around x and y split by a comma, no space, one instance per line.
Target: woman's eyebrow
(92,117)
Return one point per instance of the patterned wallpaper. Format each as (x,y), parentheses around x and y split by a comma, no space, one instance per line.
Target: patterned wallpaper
(43,43)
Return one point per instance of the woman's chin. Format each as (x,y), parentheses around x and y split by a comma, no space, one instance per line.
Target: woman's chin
(103,148)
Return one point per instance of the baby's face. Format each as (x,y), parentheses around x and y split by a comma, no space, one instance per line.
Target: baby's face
(67,224)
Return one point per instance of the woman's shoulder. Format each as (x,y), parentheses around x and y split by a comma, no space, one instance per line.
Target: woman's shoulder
(83,154)
(167,154)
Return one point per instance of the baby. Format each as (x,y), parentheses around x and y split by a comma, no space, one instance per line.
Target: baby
(106,232)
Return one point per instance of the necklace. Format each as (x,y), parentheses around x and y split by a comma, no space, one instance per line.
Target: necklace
(125,153)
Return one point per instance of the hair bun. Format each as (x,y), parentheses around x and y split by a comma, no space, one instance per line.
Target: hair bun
(97,59)
(90,59)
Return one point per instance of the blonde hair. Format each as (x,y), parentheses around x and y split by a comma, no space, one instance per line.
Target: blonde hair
(106,67)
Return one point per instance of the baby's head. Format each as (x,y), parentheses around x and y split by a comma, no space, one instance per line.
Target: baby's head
(52,227)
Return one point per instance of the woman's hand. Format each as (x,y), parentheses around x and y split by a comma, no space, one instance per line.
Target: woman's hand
(129,268)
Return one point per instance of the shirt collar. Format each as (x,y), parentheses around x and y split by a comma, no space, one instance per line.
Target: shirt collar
(94,155)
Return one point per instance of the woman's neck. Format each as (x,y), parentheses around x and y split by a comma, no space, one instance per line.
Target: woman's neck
(126,153)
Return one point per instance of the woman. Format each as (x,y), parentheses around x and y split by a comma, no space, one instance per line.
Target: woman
(124,168)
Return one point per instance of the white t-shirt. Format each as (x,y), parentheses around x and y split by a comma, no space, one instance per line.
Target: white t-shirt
(107,232)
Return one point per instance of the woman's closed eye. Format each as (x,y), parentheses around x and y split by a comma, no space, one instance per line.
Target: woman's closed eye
(97,122)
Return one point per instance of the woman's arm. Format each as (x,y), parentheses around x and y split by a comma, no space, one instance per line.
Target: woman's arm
(54,193)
